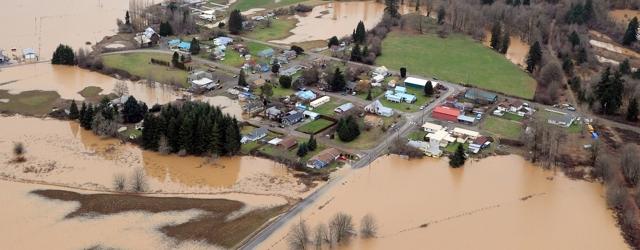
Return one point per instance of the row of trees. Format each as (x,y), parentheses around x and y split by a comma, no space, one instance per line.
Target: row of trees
(306,147)
(348,129)
(103,119)
(499,42)
(191,128)
(340,229)
(63,55)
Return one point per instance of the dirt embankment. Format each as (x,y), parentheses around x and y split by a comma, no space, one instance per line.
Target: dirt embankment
(214,227)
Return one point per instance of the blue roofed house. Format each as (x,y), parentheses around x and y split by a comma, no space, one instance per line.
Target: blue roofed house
(399,94)
(266,53)
(184,46)
(480,96)
(222,41)
(306,95)
(173,44)
(254,135)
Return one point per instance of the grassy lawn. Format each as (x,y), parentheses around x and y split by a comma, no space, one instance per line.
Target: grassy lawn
(279,29)
(452,147)
(279,152)
(244,5)
(417,135)
(327,108)
(457,58)
(575,128)
(502,127)
(407,107)
(511,116)
(315,126)
(280,91)
(139,64)
(89,92)
(375,92)
(366,139)
(233,58)
(34,102)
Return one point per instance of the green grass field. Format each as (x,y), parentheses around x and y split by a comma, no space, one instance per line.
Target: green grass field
(502,127)
(139,64)
(375,92)
(457,58)
(511,116)
(244,5)
(279,29)
(232,57)
(407,107)
(34,102)
(315,126)
(327,108)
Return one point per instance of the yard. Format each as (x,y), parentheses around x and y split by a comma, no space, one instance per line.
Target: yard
(502,127)
(278,152)
(327,108)
(452,147)
(375,92)
(512,117)
(244,5)
(34,102)
(233,58)
(457,58)
(407,107)
(138,64)
(315,126)
(279,29)
(370,138)
(417,135)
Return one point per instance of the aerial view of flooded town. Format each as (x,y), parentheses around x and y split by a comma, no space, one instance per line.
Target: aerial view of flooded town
(320,124)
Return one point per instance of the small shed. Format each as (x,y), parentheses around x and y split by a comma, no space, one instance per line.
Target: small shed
(344,107)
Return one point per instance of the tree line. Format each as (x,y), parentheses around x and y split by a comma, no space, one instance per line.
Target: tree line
(191,128)
(341,228)
(104,118)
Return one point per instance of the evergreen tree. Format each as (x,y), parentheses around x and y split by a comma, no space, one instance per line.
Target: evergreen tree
(487,2)
(195,46)
(82,113)
(624,67)
(275,68)
(127,19)
(534,57)
(302,150)
(369,97)
(608,91)
(631,35)
(589,12)
(526,2)
(360,34)
(73,110)
(632,110)
(165,29)
(333,41)
(185,134)
(338,82)
(441,15)
(504,46)
(403,72)
(348,129)
(241,79)
(391,8)
(217,139)
(582,56)
(132,111)
(312,144)
(266,91)
(285,82)
(574,39)
(356,55)
(458,158)
(150,132)
(365,52)
(417,5)
(63,55)
(428,89)
(175,59)
(87,118)
(496,34)
(235,22)
(567,65)
(233,138)
(200,131)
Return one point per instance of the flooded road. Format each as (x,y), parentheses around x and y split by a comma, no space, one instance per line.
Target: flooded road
(517,52)
(496,203)
(64,154)
(334,19)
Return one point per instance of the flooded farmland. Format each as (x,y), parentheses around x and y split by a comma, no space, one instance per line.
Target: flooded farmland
(495,203)
(517,52)
(66,155)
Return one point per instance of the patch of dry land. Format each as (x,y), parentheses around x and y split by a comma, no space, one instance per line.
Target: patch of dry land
(499,202)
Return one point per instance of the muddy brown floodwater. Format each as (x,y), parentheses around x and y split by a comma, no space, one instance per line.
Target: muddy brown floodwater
(624,16)
(496,203)
(517,51)
(64,154)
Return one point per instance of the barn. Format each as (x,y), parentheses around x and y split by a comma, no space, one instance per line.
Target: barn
(418,83)
(446,113)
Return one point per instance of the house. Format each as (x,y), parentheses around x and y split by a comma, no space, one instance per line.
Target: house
(344,107)
(266,53)
(324,158)
(440,138)
(470,120)
(311,115)
(431,127)
(208,15)
(381,71)
(199,74)
(3,58)
(173,44)
(446,113)
(413,82)
(306,95)
(318,102)
(274,141)
(289,71)
(202,83)
(273,113)
(376,107)
(252,108)
(254,135)
(480,96)
(377,79)
(460,132)
(399,95)
(561,119)
(373,121)
(289,54)
(29,54)
(292,118)
(184,46)
(263,67)
(222,41)
(120,100)
(288,143)
(478,144)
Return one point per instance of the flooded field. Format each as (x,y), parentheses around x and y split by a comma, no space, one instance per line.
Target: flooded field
(624,16)
(64,154)
(496,203)
(517,52)
(334,19)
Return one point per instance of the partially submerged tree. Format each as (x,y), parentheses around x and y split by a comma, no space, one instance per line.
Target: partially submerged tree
(341,226)
(368,226)
(73,111)
(321,236)
(18,152)
(119,182)
(299,236)
(458,158)
(138,181)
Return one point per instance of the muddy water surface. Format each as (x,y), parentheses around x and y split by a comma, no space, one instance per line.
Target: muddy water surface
(67,155)
(517,52)
(624,16)
(496,203)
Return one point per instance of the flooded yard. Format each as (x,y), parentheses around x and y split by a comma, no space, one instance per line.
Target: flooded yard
(67,155)
(495,203)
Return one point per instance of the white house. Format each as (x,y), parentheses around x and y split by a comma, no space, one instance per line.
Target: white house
(431,127)
(377,108)
(460,132)
(318,102)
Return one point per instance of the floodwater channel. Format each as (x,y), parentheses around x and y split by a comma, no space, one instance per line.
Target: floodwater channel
(501,202)
(518,49)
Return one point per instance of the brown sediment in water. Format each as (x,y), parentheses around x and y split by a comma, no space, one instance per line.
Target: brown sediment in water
(499,202)
(624,16)
(517,52)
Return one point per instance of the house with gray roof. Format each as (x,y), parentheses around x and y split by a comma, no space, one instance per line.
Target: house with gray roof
(292,118)
(254,135)
(480,96)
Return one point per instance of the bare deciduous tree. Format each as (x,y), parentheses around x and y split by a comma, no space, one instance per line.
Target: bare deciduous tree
(630,164)
(163,145)
(299,236)
(19,151)
(321,236)
(341,226)
(138,180)
(119,182)
(368,226)
(616,194)
(121,88)
(602,167)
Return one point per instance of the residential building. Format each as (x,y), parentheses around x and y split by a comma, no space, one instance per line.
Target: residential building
(184,46)
(292,118)
(344,107)
(266,53)
(478,144)
(288,143)
(273,113)
(29,54)
(311,115)
(440,138)
(480,96)
(418,83)
(324,158)
(470,120)
(431,127)
(254,135)
(446,113)
(222,41)
(306,95)
(289,71)
(173,44)
(289,54)
(252,108)
(382,71)
(376,107)
(399,95)
(199,74)
(318,102)
(561,119)
(460,132)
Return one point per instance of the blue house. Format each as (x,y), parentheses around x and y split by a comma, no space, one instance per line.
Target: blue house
(173,43)
(266,53)
(184,46)
(306,95)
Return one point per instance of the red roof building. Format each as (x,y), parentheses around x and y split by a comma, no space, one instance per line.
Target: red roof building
(446,113)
